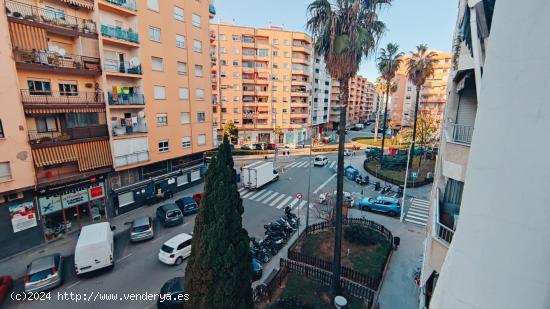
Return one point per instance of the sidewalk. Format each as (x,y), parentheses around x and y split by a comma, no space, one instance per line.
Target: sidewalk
(16,265)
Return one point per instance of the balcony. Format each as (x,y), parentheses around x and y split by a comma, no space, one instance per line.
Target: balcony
(67,136)
(131,159)
(120,34)
(122,7)
(462,134)
(87,4)
(122,68)
(211,10)
(52,21)
(53,62)
(56,99)
(132,130)
(298,46)
(126,99)
(439,231)
(212,35)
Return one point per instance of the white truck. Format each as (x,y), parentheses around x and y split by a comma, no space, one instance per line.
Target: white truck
(94,248)
(258,174)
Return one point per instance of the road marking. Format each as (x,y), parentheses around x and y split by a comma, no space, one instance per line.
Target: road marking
(292,164)
(271,197)
(260,198)
(332,164)
(257,194)
(72,285)
(242,189)
(294,202)
(249,194)
(324,183)
(301,164)
(301,205)
(283,203)
(277,200)
(124,257)
(307,164)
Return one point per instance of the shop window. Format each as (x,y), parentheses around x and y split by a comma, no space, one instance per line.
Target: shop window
(195,175)
(125,199)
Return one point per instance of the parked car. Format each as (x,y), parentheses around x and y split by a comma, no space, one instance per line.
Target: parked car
(347,152)
(246,147)
(5,286)
(44,273)
(351,172)
(291,145)
(187,205)
(380,130)
(323,197)
(258,146)
(354,128)
(257,269)
(175,249)
(95,248)
(172,294)
(320,161)
(169,215)
(384,204)
(198,197)
(271,146)
(141,229)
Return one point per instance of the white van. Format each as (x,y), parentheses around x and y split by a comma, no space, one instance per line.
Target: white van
(94,248)
(175,249)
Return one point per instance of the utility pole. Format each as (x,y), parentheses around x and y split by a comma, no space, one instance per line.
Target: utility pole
(405,184)
(309,184)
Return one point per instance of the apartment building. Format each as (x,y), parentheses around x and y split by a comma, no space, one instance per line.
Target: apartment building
(321,96)
(261,80)
(360,101)
(432,94)
(102,114)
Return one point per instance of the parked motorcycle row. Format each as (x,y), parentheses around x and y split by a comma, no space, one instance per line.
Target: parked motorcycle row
(388,189)
(277,234)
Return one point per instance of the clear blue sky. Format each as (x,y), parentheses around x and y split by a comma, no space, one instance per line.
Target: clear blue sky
(409,22)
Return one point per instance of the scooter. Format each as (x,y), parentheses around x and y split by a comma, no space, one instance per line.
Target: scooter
(377,186)
(386,189)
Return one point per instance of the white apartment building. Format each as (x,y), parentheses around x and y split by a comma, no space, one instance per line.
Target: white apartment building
(321,93)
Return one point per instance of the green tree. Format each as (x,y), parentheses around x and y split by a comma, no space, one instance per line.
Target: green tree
(219,272)
(344,31)
(230,130)
(420,66)
(277,131)
(388,62)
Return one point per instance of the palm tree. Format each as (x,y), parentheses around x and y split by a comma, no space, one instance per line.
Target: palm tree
(420,66)
(344,31)
(381,86)
(388,63)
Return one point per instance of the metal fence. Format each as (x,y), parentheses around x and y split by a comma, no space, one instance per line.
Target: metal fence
(61,97)
(462,133)
(127,4)
(120,34)
(126,99)
(69,134)
(122,67)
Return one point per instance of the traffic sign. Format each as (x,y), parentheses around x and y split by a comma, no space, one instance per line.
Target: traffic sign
(299,195)
(414,175)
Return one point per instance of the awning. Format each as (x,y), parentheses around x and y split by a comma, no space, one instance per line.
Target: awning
(88,155)
(28,37)
(53,155)
(49,110)
(82,3)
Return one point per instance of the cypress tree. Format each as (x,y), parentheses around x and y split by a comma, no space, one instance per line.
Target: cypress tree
(219,271)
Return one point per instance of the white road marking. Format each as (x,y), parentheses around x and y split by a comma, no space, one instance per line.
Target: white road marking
(301,205)
(123,258)
(332,164)
(302,163)
(249,194)
(242,189)
(72,285)
(260,198)
(271,197)
(283,203)
(257,194)
(307,164)
(292,164)
(294,202)
(324,183)
(277,200)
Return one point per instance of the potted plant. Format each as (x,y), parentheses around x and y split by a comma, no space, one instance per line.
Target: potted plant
(88,85)
(28,17)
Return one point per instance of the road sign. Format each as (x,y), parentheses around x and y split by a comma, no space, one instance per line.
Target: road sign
(414,174)
(299,195)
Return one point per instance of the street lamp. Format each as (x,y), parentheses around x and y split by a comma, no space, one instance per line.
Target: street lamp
(309,183)
(405,184)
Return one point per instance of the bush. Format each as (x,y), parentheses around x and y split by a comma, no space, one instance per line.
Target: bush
(291,303)
(362,235)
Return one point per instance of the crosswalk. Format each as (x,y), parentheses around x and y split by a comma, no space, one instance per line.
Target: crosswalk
(306,163)
(272,198)
(418,212)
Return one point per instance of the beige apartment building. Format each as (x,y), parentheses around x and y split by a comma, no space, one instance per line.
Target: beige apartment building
(261,80)
(361,101)
(101,113)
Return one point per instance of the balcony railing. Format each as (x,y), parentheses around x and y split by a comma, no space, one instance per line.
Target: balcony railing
(462,133)
(129,130)
(132,158)
(439,230)
(50,18)
(122,67)
(47,60)
(126,99)
(120,34)
(33,97)
(69,134)
(127,4)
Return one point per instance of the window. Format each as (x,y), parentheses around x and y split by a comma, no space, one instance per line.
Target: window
(199,94)
(285,65)
(197,46)
(275,42)
(68,88)
(182,68)
(186,142)
(183,93)
(54,13)
(223,74)
(275,53)
(235,74)
(178,13)
(46,124)
(154,34)
(201,117)
(235,38)
(1,130)
(196,20)
(222,50)
(236,99)
(159,92)
(316,80)
(39,87)
(75,120)
(235,51)
(180,41)
(185,118)
(286,54)
(5,171)
(201,139)
(275,66)
(162,120)
(223,62)
(198,70)
(222,37)
(263,52)
(163,146)
(235,87)
(235,63)
(157,64)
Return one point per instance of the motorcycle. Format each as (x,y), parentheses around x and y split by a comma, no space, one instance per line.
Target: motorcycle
(377,186)
(362,181)
(386,189)
(292,217)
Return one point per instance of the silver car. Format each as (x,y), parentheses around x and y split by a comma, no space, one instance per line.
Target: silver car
(141,229)
(44,273)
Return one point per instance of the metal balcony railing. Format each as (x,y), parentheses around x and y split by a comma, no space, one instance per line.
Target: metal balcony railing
(120,34)
(462,133)
(127,4)
(132,158)
(439,230)
(56,60)
(33,97)
(126,99)
(122,67)
(49,17)
(69,134)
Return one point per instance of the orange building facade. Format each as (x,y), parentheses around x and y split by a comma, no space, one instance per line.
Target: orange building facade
(360,101)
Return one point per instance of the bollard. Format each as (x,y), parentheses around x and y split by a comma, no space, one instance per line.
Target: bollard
(340,302)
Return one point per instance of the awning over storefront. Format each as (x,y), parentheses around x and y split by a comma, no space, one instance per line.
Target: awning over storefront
(82,3)
(49,110)
(89,155)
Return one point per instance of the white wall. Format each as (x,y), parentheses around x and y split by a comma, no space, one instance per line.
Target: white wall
(320,95)
(500,254)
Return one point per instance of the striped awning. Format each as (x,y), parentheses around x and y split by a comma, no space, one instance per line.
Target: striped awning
(28,37)
(82,3)
(49,110)
(88,155)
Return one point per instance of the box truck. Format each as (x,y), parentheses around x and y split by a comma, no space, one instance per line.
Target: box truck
(94,248)
(258,174)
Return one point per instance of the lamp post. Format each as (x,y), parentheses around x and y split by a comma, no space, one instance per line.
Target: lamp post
(309,184)
(405,184)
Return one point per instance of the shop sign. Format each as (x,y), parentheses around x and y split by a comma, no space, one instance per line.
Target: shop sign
(75,197)
(96,191)
(23,216)
(49,204)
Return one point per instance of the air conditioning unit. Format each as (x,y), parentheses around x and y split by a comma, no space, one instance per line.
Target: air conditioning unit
(15,196)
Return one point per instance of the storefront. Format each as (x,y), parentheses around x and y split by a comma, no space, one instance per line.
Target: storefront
(67,208)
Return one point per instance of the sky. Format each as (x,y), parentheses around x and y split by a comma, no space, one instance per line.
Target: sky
(409,22)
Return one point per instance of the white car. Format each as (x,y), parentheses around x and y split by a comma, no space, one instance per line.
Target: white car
(176,249)
(320,161)
(347,152)
(347,198)
(291,146)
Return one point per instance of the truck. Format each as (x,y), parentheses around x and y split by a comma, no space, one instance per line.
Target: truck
(258,174)
(94,248)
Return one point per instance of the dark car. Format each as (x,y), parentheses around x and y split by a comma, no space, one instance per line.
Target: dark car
(187,205)
(5,287)
(257,269)
(271,146)
(172,295)
(258,146)
(380,130)
(169,215)
(198,198)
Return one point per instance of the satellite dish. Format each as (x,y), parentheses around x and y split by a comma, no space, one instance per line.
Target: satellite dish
(141,114)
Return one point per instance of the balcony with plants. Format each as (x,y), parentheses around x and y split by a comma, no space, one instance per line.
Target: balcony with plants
(123,95)
(118,33)
(51,61)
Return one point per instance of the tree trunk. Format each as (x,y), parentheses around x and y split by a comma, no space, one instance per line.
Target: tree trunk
(384,123)
(377,123)
(339,189)
(414,125)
